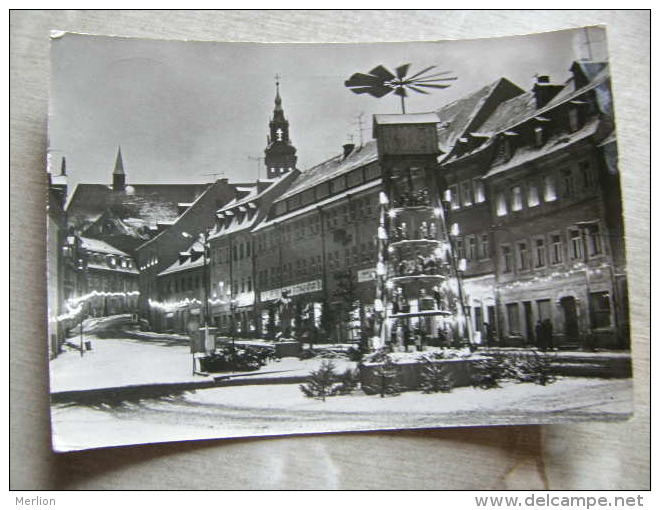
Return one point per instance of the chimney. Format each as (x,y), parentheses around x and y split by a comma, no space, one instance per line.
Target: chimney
(348,148)
(544,91)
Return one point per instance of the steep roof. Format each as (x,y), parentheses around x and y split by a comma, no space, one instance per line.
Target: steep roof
(145,204)
(469,112)
(332,168)
(99,246)
(193,257)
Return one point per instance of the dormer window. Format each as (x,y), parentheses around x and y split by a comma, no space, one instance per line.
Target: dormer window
(573,119)
(538,136)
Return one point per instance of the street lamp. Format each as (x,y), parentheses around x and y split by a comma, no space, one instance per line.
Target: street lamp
(204,239)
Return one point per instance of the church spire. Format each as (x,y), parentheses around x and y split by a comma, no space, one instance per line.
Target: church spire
(280,154)
(118,176)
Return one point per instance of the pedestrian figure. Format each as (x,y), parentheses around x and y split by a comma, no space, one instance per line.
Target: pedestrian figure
(539,332)
(549,336)
(489,334)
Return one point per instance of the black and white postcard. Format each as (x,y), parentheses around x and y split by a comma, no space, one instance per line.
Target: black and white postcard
(250,239)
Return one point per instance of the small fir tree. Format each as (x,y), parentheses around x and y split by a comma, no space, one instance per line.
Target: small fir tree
(322,382)
(387,378)
(435,377)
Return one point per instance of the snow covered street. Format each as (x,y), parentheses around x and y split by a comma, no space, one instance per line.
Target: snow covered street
(282,409)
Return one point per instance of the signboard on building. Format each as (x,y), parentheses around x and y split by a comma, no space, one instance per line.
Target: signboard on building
(366,275)
(292,290)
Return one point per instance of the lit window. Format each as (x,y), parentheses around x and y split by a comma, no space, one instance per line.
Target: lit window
(501,205)
(466,193)
(516,198)
(538,136)
(550,191)
(533,195)
(479,191)
(455,202)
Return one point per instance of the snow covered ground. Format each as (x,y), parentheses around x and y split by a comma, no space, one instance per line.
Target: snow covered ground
(278,409)
(115,362)
(282,409)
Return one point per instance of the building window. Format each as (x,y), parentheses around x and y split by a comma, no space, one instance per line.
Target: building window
(484,247)
(544,308)
(479,191)
(500,204)
(507,262)
(538,136)
(599,306)
(323,190)
(550,191)
(557,248)
(471,251)
(513,318)
(355,177)
(523,262)
(567,182)
(371,172)
(573,119)
(466,193)
(584,169)
(539,252)
(460,248)
(455,199)
(249,284)
(575,244)
(533,195)
(516,198)
(593,240)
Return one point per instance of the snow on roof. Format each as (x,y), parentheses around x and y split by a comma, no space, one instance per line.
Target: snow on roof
(99,246)
(320,203)
(557,142)
(150,203)
(193,258)
(332,168)
(406,118)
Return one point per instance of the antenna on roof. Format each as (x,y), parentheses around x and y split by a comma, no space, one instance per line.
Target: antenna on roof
(360,124)
(258,160)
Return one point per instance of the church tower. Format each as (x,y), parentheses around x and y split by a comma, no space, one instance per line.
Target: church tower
(280,154)
(118,176)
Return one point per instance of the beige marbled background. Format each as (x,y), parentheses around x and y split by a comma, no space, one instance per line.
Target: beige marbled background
(583,456)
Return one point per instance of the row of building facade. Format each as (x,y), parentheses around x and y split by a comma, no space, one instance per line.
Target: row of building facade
(530,197)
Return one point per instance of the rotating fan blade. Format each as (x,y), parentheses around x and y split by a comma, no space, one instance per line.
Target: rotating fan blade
(431,80)
(401,71)
(363,80)
(382,73)
(417,90)
(421,72)
(433,85)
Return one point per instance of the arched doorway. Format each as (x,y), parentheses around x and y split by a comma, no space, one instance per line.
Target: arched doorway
(569,307)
